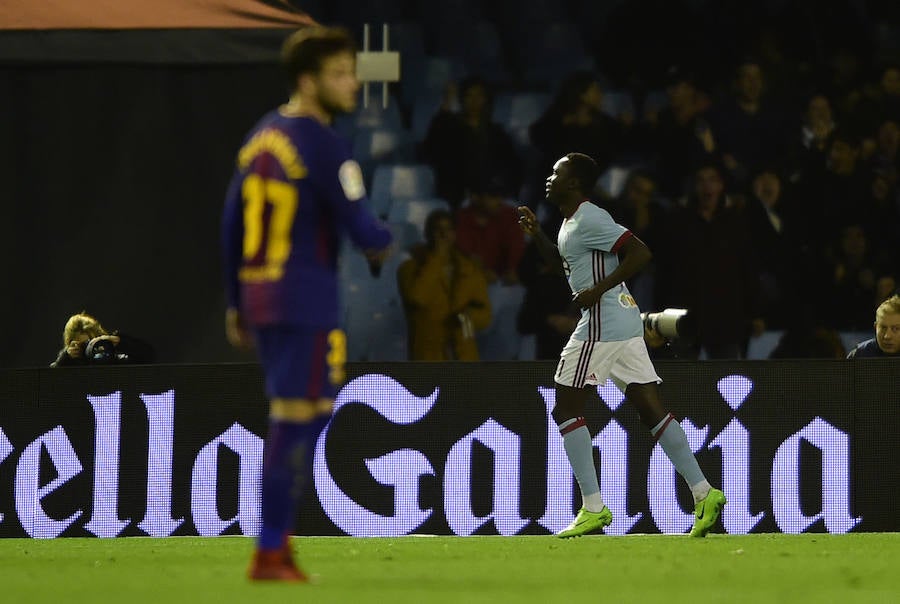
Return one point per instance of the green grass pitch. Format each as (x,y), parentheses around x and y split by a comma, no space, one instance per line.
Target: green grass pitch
(817,568)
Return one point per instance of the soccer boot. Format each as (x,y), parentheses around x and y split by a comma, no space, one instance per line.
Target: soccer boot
(275,565)
(586,523)
(707,512)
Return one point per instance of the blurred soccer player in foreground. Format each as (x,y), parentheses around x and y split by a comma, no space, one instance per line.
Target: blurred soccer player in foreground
(295,193)
(607,342)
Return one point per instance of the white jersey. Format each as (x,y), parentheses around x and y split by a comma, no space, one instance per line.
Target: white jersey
(588,243)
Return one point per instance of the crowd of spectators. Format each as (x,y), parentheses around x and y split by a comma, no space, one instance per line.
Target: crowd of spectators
(765,181)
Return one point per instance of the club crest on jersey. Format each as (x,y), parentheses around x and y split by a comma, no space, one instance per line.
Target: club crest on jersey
(627,301)
(351,179)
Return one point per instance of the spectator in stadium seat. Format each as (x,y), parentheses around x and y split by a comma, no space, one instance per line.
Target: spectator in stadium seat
(853,278)
(886,342)
(705,265)
(460,143)
(680,137)
(747,127)
(86,342)
(575,122)
(487,230)
(808,147)
(770,223)
(833,193)
(445,296)
(640,210)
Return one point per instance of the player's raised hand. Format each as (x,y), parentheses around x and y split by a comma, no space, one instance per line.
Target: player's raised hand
(527,220)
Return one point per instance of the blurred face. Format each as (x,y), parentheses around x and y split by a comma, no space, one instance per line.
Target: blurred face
(444,233)
(890,81)
(818,111)
(749,82)
(709,188)
(853,242)
(680,94)
(593,96)
(842,157)
(640,191)
(474,101)
(881,188)
(889,137)
(767,188)
(335,86)
(887,332)
(489,202)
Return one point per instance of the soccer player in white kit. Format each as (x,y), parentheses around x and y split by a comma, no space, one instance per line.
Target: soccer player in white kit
(607,342)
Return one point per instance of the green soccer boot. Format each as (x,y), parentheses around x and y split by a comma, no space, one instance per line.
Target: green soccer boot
(586,523)
(707,512)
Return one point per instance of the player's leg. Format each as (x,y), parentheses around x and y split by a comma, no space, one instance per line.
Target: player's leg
(298,382)
(568,413)
(635,370)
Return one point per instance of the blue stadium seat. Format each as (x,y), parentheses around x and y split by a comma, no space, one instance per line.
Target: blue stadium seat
(516,112)
(400,181)
(617,103)
(761,347)
(851,338)
(446,14)
(613,180)
(387,335)
(500,341)
(428,78)
(372,116)
(549,47)
(415,211)
(655,101)
(406,234)
(424,109)
(476,46)
(370,307)
(374,146)
(527,347)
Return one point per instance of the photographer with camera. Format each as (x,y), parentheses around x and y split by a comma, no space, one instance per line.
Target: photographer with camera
(86,342)
(669,334)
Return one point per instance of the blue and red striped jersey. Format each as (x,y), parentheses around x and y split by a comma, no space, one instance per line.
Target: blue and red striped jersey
(295,194)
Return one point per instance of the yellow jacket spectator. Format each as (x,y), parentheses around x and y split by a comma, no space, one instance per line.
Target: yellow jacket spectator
(445,296)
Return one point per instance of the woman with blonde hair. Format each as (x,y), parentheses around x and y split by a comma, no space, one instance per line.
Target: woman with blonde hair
(85,341)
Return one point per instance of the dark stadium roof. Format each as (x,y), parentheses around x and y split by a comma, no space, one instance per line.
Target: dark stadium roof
(139,31)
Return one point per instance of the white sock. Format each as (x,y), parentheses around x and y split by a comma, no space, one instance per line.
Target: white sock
(580,451)
(673,441)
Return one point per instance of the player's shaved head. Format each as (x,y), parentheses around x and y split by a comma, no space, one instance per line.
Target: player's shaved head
(584,170)
(306,49)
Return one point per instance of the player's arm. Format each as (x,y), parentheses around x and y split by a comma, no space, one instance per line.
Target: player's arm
(549,251)
(232,251)
(634,255)
(342,182)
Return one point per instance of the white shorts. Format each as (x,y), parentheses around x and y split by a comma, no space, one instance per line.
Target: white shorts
(590,363)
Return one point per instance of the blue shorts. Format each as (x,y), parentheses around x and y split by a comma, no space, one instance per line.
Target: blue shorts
(301,362)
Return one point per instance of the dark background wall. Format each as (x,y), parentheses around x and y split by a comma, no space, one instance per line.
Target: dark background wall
(113,178)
